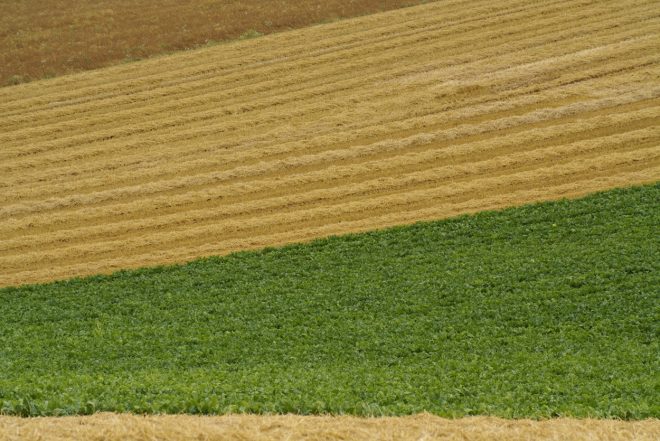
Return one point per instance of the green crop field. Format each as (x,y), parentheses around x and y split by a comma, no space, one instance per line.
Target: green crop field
(544,310)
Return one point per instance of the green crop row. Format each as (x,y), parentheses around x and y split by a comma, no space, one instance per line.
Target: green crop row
(544,310)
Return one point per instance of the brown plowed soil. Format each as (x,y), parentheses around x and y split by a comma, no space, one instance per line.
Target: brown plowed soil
(111,427)
(46,38)
(408,115)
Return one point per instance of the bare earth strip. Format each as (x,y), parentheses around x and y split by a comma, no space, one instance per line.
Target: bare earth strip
(416,114)
(109,427)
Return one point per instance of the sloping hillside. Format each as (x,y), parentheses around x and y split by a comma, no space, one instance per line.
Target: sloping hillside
(408,115)
(539,311)
(45,38)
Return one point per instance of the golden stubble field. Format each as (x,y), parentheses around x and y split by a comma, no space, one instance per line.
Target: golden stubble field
(409,115)
(110,427)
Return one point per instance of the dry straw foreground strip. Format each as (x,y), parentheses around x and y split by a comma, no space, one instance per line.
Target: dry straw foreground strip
(111,427)
(416,114)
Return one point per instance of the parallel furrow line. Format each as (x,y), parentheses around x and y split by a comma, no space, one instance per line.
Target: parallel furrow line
(340,212)
(532,192)
(425,172)
(186,183)
(403,122)
(12,165)
(351,153)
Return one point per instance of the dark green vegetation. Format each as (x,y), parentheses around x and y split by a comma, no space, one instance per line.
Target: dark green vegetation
(545,310)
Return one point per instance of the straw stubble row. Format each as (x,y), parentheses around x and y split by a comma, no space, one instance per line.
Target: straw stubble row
(108,426)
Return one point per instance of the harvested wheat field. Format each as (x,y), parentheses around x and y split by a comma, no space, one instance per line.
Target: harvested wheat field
(416,114)
(291,427)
